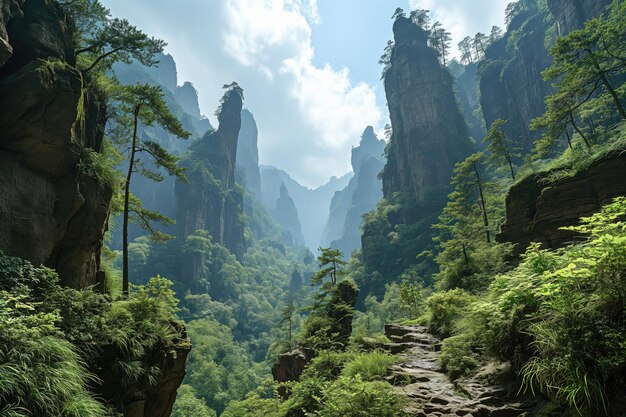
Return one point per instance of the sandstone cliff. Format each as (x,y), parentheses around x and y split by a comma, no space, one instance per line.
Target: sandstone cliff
(511,85)
(211,200)
(248,154)
(286,215)
(429,137)
(536,210)
(53,210)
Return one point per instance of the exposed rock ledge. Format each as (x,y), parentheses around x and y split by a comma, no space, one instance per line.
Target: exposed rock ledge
(535,211)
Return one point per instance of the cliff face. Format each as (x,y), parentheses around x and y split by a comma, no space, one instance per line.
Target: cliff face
(248,154)
(429,133)
(210,200)
(511,84)
(286,215)
(535,212)
(363,192)
(429,137)
(571,15)
(51,212)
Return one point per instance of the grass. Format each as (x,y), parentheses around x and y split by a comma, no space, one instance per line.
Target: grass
(371,366)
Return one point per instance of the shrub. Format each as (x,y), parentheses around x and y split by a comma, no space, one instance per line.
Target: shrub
(369,366)
(353,397)
(457,356)
(447,307)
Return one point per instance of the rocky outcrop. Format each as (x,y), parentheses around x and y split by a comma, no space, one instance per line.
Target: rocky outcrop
(429,134)
(536,209)
(286,215)
(211,200)
(363,192)
(142,398)
(248,154)
(467,92)
(53,210)
(429,137)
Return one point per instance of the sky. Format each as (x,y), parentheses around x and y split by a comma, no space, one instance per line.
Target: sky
(309,68)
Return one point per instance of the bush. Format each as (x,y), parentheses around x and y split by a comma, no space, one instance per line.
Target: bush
(446,308)
(560,316)
(41,374)
(457,357)
(369,366)
(353,397)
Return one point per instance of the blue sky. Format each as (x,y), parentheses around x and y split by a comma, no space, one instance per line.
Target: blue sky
(309,68)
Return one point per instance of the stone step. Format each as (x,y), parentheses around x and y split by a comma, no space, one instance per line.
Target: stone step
(401,329)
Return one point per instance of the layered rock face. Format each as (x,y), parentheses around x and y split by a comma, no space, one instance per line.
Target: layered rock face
(210,200)
(363,192)
(429,133)
(429,137)
(52,210)
(248,154)
(535,212)
(511,85)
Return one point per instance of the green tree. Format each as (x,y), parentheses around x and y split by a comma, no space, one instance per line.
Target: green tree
(101,40)
(398,13)
(587,67)
(498,147)
(479,43)
(145,105)
(331,261)
(468,180)
(465,48)
(421,18)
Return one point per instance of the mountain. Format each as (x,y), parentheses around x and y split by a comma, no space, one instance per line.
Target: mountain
(248,154)
(211,200)
(429,137)
(313,205)
(286,215)
(363,192)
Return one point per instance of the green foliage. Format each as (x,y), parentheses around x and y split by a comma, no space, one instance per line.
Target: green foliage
(457,356)
(587,74)
(370,366)
(559,315)
(41,373)
(390,309)
(52,335)
(353,397)
(446,308)
(188,404)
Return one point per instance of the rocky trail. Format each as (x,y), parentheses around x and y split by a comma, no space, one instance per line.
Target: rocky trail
(492,392)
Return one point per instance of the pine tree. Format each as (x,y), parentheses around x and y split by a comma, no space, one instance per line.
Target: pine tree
(499,148)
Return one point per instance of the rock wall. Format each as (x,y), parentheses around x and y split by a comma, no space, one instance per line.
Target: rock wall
(211,200)
(51,212)
(248,154)
(535,210)
(572,14)
(429,133)
(429,137)
(286,215)
(511,85)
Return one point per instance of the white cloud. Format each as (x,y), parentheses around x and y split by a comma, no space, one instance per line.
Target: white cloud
(308,116)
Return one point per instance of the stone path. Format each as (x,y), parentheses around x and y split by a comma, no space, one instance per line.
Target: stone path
(419,377)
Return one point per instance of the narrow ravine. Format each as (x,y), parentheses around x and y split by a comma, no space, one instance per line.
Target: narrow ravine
(429,391)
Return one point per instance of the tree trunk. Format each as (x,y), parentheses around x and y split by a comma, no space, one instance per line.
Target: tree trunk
(580,132)
(483,205)
(508,159)
(131,163)
(613,94)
